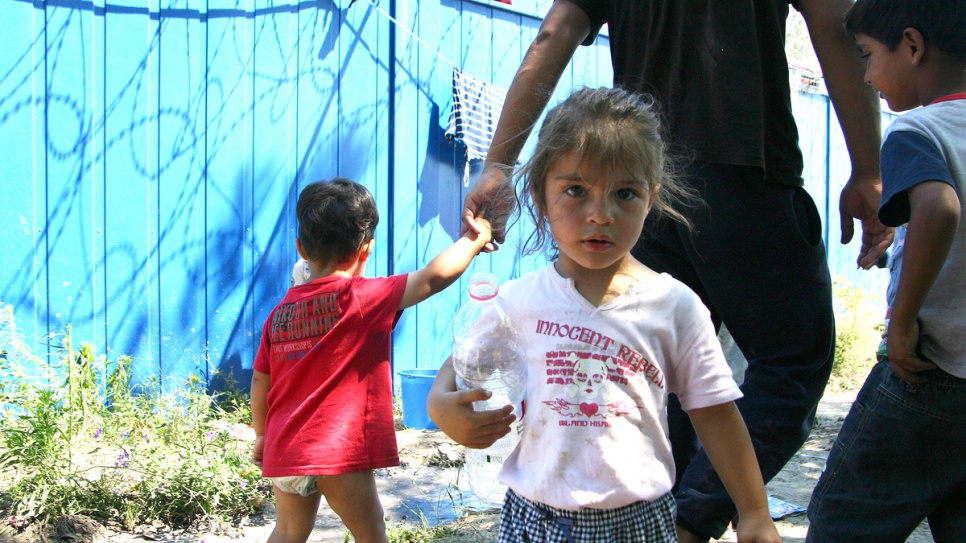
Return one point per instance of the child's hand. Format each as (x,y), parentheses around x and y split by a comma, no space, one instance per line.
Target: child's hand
(901,344)
(452,411)
(259,450)
(485,235)
(492,196)
(757,527)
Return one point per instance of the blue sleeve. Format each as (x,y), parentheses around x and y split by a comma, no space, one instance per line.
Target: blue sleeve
(908,158)
(595,11)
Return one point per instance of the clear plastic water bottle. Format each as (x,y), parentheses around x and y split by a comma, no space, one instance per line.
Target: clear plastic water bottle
(488,352)
(482,467)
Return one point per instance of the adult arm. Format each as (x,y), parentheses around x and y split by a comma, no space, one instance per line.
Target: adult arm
(492,196)
(725,439)
(933,220)
(261,384)
(857,108)
(452,411)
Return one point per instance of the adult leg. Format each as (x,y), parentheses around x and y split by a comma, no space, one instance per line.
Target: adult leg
(948,521)
(295,517)
(896,461)
(757,259)
(353,496)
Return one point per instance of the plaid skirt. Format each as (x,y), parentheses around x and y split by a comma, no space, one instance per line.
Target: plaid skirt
(525,521)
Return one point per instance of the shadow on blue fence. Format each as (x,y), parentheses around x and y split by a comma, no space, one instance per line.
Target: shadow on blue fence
(139,206)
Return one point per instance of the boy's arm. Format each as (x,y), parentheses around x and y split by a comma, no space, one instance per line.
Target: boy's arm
(452,411)
(725,438)
(933,221)
(261,384)
(857,108)
(446,268)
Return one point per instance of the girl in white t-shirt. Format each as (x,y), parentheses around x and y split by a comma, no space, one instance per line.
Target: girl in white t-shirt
(607,340)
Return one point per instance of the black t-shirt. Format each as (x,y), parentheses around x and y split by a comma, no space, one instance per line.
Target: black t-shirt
(719,72)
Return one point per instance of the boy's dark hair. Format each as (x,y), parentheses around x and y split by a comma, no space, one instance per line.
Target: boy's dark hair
(942,23)
(336,218)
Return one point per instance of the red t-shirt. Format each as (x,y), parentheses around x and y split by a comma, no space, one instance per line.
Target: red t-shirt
(326,347)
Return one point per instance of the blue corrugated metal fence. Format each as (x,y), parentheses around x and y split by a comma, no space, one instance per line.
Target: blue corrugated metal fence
(153,150)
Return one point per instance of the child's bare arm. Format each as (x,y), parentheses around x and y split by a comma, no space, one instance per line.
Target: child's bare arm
(446,268)
(452,411)
(261,384)
(933,220)
(725,438)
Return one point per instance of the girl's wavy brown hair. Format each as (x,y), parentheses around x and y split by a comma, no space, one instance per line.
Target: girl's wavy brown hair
(614,130)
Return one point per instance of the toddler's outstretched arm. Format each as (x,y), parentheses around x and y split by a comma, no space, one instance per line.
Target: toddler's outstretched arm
(447,267)
(725,438)
(452,411)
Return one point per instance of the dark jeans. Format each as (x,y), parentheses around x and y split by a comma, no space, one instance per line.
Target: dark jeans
(897,460)
(756,258)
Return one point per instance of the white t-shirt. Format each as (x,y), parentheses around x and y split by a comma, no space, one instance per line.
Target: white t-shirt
(595,425)
(927,144)
(301,272)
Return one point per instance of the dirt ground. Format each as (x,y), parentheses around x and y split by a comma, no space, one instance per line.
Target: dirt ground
(427,490)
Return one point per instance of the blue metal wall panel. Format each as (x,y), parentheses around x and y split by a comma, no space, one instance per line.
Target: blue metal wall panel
(181,195)
(482,40)
(274,121)
(75,173)
(229,207)
(23,168)
(363,91)
(405,173)
(377,49)
(318,70)
(178,132)
(812,116)
(469,40)
(154,151)
(130,196)
(605,70)
(842,258)
(511,35)
(479,43)
(438,175)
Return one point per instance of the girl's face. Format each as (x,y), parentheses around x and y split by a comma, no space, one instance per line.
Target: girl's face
(595,216)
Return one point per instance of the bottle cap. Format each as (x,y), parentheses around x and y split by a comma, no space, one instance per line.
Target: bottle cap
(483,286)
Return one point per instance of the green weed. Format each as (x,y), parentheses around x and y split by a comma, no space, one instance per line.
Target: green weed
(858,330)
(79,437)
(418,533)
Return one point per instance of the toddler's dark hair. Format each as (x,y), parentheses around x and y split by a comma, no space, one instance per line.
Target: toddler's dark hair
(336,218)
(614,130)
(942,23)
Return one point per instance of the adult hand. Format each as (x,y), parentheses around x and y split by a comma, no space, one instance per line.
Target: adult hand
(901,344)
(491,197)
(860,200)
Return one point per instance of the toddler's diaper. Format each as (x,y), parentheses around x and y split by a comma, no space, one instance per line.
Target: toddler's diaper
(304,485)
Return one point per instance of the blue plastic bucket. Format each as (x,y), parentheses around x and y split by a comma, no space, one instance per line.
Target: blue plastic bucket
(415,390)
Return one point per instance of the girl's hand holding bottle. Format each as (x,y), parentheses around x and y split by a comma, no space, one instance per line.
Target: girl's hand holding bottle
(452,411)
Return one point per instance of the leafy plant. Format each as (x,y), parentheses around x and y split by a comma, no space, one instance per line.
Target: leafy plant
(79,437)
(418,533)
(858,332)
